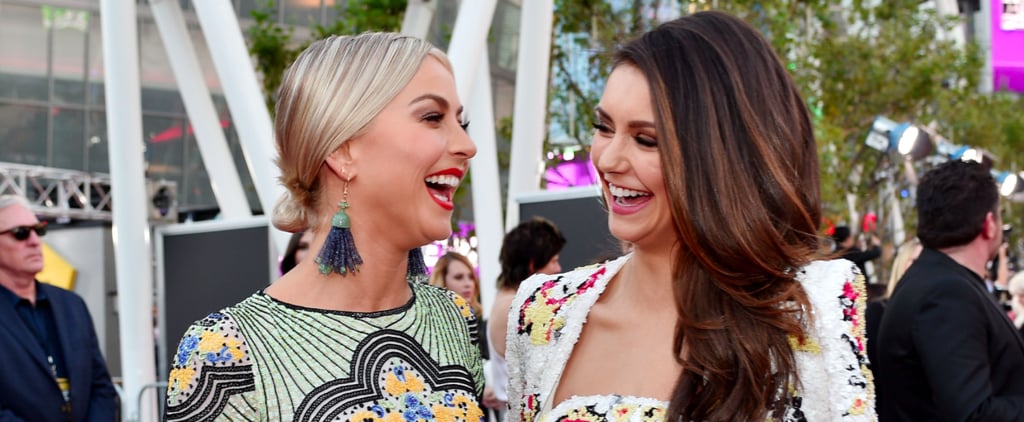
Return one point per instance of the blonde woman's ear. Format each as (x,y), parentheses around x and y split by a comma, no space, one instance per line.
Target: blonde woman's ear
(340,163)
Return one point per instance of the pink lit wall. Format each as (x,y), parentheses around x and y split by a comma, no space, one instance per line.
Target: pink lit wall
(1007,45)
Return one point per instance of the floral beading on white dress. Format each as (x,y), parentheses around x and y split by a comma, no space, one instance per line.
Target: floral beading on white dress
(549,311)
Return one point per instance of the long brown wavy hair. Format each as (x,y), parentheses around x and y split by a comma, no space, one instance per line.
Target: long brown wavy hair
(741,170)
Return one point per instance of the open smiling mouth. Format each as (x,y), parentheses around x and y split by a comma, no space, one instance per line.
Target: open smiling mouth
(442,188)
(628,197)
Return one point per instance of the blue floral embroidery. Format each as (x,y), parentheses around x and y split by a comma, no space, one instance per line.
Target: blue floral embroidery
(378,410)
(222,356)
(188,345)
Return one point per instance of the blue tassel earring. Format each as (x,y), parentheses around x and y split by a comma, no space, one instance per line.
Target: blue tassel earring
(417,269)
(339,252)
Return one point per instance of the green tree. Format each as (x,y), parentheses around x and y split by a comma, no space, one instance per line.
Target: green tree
(273,45)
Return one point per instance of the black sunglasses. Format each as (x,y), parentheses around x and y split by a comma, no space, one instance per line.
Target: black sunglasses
(23,232)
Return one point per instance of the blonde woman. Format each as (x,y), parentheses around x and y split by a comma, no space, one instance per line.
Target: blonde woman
(363,122)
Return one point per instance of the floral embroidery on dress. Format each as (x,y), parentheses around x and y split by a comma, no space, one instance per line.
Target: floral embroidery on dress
(463,306)
(539,314)
(207,341)
(550,311)
(529,407)
(409,399)
(853,298)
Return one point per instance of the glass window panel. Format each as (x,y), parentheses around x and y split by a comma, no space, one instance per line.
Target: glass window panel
(246,7)
(332,11)
(165,150)
(505,46)
(69,60)
(95,93)
(18,85)
(26,56)
(196,191)
(242,168)
(68,139)
(68,30)
(97,153)
(23,134)
(159,99)
(302,12)
(155,69)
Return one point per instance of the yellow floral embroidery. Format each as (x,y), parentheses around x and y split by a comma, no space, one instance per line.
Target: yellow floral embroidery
(364,416)
(859,405)
(807,345)
(541,315)
(393,386)
(396,387)
(413,384)
(394,417)
(444,413)
(621,412)
(210,342)
(180,378)
(463,306)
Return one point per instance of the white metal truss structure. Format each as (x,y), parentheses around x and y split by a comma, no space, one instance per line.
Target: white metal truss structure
(57,192)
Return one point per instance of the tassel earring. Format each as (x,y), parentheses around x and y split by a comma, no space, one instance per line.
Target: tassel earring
(417,269)
(339,252)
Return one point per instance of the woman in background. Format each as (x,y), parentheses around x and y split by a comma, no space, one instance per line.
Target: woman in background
(296,251)
(453,271)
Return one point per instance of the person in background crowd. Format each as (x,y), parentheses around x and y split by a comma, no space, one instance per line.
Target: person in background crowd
(1016,289)
(372,146)
(51,368)
(847,248)
(721,311)
(532,247)
(453,271)
(296,251)
(946,349)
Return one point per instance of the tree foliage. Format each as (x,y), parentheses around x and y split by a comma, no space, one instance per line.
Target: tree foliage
(274,46)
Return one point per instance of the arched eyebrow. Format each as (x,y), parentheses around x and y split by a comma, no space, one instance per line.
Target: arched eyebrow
(439,100)
(632,124)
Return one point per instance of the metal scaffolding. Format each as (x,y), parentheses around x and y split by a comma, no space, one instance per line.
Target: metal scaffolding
(59,193)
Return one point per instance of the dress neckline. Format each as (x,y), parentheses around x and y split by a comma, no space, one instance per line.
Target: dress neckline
(353,314)
(574,329)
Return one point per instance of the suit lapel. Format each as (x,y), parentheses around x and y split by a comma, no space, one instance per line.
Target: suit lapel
(21,335)
(66,325)
(979,288)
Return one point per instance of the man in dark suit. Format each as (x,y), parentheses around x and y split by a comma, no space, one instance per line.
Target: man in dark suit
(946,350)
(51,368)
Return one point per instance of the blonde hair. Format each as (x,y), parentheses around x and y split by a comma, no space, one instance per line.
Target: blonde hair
(904,257)
(331,93)
(441,272)
(1016,288)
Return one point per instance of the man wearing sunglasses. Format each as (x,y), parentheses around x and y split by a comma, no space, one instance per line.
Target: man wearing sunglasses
(51,368)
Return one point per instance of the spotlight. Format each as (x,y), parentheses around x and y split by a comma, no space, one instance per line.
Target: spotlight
(1009,183)
(910,141)
(906,138)
(978,155)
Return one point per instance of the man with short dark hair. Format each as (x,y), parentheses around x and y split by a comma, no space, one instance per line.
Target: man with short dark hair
(947,351)
(51,368)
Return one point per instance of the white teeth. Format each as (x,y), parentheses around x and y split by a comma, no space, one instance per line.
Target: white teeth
(623,192)
(443,180)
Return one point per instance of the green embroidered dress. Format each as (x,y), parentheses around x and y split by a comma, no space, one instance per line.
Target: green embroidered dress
(265,360)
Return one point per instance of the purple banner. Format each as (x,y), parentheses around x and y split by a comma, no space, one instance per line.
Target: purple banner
(1008,45)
